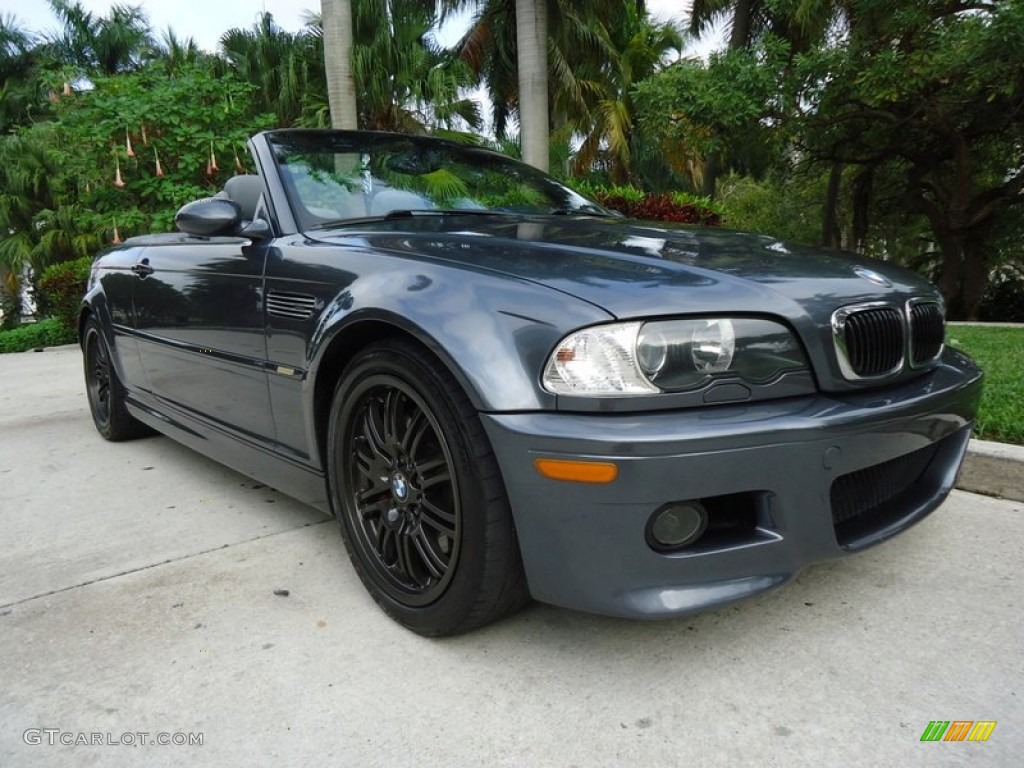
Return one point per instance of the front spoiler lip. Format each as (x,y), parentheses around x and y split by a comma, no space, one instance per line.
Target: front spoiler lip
(678,600)
(584,547)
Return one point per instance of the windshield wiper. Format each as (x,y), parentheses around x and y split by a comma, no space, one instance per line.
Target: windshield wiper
(585,210)
(412,213)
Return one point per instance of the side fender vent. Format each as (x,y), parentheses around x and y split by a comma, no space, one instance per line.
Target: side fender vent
(293,306)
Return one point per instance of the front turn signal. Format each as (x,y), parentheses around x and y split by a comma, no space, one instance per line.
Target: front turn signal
(577,471)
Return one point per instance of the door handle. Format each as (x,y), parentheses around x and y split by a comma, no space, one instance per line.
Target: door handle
(142,269)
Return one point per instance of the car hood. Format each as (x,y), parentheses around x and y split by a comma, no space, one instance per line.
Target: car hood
(634,270)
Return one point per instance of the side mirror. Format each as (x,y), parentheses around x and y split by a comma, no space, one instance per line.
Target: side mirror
(209,217)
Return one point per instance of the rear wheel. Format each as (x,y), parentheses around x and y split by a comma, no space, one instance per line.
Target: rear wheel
(419,496)
(104,389)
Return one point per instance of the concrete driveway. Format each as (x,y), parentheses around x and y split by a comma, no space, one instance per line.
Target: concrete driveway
(137,596)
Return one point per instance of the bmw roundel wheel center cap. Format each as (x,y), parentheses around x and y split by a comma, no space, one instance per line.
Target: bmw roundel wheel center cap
(400,487)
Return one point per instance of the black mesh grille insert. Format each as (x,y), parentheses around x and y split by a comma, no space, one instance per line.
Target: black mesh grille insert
(865,494)
(874,340)
(927,331)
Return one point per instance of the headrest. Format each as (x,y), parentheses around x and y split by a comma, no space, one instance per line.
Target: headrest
(245,190)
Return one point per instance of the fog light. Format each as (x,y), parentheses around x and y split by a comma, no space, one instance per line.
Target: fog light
(677,525)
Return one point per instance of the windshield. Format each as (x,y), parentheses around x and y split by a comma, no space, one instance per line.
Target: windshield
(334,177)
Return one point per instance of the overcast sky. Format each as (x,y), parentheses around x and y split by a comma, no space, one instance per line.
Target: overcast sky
(207,20)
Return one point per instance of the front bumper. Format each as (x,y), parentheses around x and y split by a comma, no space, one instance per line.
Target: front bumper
(584,546)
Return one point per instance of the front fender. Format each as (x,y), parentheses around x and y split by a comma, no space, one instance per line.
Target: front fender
(494,333)
(108,298)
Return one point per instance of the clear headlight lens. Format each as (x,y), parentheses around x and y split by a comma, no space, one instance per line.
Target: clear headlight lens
(670,356)
(651,351)
(598,360)
(712,345)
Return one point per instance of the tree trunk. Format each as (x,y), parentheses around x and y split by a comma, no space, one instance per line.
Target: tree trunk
(709,175)
(341,87)
(532,44)
(830,219)
(863,185)
(739,37)
(976,270)
(951,276)
(965,269)
(562,133)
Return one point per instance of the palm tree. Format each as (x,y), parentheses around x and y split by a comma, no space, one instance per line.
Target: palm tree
(404,80)
(19,85)
(532,57)
(802,23)
(574,45)
(286,68)
(102,45)
(177,53)
(337,43)
(37,216)
(15,43)
(637,49)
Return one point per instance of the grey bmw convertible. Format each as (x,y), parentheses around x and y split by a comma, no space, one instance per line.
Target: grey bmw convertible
(504,391)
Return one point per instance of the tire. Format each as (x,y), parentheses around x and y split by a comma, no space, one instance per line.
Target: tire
(415,485)
(105,391)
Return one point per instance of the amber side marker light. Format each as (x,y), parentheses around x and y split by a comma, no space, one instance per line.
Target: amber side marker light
(577,471)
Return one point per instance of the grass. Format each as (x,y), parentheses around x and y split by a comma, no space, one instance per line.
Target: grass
(1000,353)
(45,333)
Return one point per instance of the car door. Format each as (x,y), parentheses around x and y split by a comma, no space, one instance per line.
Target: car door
(303,281)
(199,326)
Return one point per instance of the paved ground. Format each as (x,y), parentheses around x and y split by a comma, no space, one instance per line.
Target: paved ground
(136,595)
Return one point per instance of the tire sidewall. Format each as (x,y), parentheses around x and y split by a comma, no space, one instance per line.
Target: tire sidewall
(119,424)
(92,338)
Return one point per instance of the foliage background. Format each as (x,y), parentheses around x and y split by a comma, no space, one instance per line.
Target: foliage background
(894,129)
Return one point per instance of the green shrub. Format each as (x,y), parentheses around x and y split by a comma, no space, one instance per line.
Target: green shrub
(45,333)
(590,189)
(1004,300)
(60,291)
(10,302)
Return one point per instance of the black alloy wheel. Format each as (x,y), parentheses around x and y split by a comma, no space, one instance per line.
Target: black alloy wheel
(404,507)
(97,377)
(417,490)
(105,391)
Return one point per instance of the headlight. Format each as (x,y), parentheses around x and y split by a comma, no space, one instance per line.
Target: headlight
(599,360)
(670,356)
